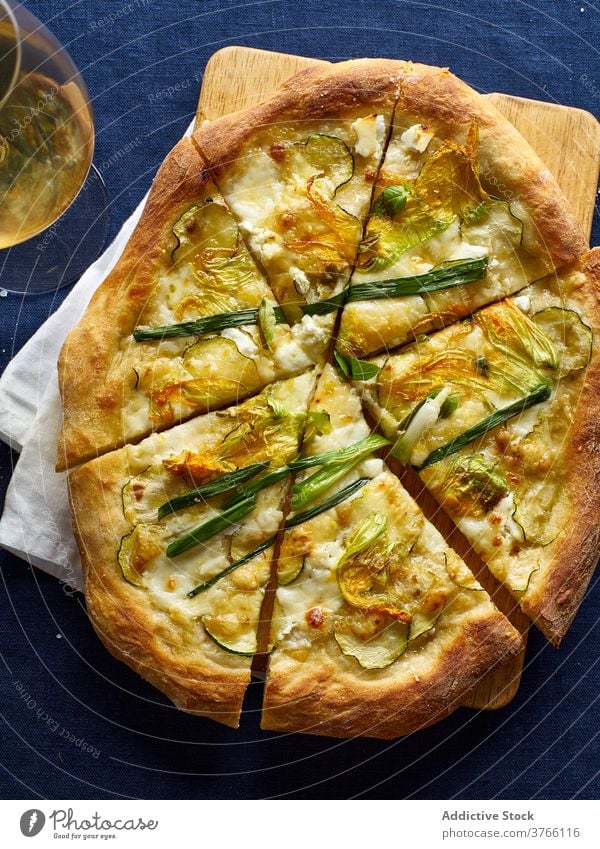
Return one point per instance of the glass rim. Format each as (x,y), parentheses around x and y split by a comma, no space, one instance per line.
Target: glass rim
(11,15)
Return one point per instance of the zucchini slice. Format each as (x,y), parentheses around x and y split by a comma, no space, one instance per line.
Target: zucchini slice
(218,371)
(143,494)
(208,227)
(136,550)
(290,569)
(460,575)
(324,156)
(422,622)
(493,225)
(473,486)
(378,651)
(241,640)
(519,583)
(535,511)
(571,337)
(424,616)
(326,163)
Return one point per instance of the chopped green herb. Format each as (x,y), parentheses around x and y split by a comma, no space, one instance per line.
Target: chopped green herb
(393,199)
(355,369)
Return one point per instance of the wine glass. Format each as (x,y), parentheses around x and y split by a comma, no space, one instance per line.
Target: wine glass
(46,150)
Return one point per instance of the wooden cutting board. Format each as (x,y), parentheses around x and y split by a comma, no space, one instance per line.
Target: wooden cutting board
(567,140)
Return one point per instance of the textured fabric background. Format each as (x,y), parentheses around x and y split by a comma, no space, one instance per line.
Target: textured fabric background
(60,686)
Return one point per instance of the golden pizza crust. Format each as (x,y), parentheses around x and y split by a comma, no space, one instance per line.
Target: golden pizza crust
(325,695)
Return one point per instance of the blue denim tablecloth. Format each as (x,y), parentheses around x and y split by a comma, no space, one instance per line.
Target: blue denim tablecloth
(545,743)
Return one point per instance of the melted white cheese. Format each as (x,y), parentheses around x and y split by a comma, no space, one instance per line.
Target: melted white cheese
(371,467)
(255,191)
(524,423)
(304,344)
(523,302)
(416,138)
(316,586)
(243,341)
(370,133)
(487,534)
(448,246)
(301,281)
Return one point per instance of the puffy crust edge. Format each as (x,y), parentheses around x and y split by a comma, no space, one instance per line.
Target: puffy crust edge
(553,601)
(91,400)
(323,699)
(122,615)
(329,91)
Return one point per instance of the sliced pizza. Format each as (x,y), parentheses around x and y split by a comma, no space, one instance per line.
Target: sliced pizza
(184,324)
(176,536)
(464,214)
(298,172)
(379,627)
(499,415)
(394,192)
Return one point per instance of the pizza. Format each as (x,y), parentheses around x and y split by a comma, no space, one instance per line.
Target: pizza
(372,268)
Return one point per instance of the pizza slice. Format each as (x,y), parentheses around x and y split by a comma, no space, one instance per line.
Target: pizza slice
(465,213)
(298,172)
(185,323)
(379,627)
(499,415)
(176,537)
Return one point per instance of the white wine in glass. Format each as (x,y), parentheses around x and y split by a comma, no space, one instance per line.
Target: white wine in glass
(46,150)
